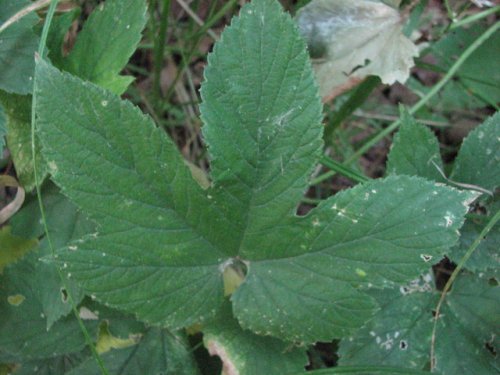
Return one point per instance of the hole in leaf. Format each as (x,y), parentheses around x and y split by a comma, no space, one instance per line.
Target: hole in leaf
(64,295)
(234,273)
(442,272)
(403,345)
(490,348)
(208,364)
(322,355)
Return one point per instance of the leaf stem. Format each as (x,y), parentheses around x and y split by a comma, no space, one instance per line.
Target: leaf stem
(451,14)
(342,169)
(40,55)
(474,17)
(452,278)
(197,19)
(159,51)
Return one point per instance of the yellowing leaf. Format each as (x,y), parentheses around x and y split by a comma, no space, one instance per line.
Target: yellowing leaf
(107,341)
(350,40)
(12,247)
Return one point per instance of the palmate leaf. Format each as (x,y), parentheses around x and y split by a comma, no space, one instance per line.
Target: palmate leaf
(163,242)
(415,151)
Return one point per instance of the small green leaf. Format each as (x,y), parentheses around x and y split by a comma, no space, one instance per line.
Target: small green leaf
(415,151)
(18,114)
(106,42)
(243,352)
(65,223)
(479,157)
(478,76)
(467,335)
(12,247)
(53,366)
(18,44)
(485,257)
(23,327)
(157,352)
(94,316)
(57,32)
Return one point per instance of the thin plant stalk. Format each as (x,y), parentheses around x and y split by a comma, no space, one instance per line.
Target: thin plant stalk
(343,170)
(474,17)
(453,277)
(197,38)
(40,55)
(159,51)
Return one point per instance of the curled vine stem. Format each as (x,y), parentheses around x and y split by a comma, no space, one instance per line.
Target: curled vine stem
(24,12)
(11,208)
(461,184)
